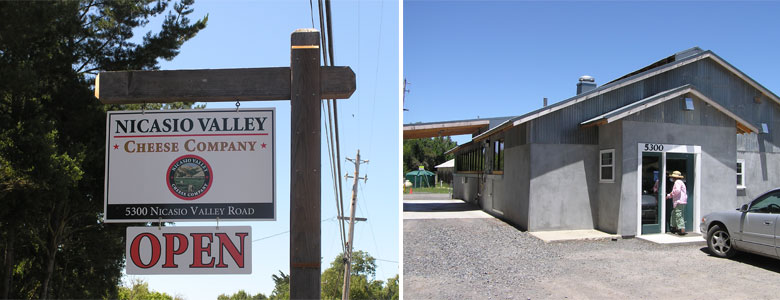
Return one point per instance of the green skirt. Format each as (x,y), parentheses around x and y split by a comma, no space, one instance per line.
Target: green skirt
(677,217)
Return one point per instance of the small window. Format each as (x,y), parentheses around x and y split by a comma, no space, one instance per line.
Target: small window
(688,104)
(482,158)
(607,165)
(740,173)
(764,128)
(498,155)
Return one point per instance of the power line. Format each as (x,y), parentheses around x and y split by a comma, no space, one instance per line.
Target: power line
(359,113)
(370,225)
(283,232)
(334,177)
(311,10)
(335,104)
(376,76)
(335,158)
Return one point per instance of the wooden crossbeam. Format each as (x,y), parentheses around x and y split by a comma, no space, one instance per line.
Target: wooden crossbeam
(412,132)
(214,85)
(742,129)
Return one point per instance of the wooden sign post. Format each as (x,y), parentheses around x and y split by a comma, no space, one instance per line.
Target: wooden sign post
(305,83)
(305,254)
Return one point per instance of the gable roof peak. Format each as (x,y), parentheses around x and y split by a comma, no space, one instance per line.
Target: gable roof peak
(688,52)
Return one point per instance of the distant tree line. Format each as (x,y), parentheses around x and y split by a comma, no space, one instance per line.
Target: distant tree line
(428,152)
(362,283)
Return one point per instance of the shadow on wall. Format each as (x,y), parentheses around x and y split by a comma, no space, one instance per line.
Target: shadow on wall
(429,207)
(762,157)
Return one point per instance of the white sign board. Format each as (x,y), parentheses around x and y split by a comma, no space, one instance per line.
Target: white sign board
(190,165)
(189,250)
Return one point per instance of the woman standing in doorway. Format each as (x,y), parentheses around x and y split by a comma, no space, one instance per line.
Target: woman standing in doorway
(679,196)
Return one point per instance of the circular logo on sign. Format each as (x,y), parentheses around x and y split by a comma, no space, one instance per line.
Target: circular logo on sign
(189,177)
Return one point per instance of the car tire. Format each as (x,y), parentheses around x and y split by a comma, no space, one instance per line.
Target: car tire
(719,242)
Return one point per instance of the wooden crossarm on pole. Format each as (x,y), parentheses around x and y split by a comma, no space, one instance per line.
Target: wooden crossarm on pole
(214,85)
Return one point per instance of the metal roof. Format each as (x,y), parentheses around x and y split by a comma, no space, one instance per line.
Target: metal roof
(664,65)
(447,164)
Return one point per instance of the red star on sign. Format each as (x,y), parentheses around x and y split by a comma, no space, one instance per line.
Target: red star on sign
(116,146)
(262,145)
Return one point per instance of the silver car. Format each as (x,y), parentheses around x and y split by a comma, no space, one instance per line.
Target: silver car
(751,228)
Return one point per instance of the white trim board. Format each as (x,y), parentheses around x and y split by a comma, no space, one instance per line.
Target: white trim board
(669,148)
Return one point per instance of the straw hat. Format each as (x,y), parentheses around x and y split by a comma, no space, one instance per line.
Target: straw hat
(676,174)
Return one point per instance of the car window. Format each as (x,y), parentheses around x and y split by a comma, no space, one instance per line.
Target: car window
(769,204)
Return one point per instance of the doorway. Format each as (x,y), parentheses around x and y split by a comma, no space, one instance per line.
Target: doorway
(682,162)
(656,162)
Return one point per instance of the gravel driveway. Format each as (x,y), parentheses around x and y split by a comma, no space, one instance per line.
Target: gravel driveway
(488,259)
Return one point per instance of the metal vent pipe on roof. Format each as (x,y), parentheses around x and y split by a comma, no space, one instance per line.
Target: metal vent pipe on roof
(586,83)
(545,102)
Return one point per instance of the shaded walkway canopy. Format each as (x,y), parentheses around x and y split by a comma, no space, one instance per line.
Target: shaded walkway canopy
(450,128)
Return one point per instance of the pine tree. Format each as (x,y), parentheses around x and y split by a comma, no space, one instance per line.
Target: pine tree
(52,137)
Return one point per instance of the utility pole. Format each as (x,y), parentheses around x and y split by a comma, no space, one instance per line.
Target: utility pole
(352,219)
(406,91)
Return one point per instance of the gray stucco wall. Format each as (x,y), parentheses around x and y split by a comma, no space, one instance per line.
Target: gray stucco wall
(717,173)
(510,190)
(504,195)
(610,137)
(563,187)
(762,173)
(465,191)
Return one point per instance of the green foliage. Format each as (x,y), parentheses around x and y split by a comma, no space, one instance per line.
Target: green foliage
(281,287)
(140,291)
(426,152)
(53,243)
(242,295)
(391,289)
(443,189)
(362,283)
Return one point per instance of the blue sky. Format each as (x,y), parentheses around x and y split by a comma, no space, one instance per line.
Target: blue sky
(246,34)
(469,59)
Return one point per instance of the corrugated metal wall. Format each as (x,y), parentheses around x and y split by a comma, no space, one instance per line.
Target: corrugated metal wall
(672,112)
(562,126)
(517,136)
